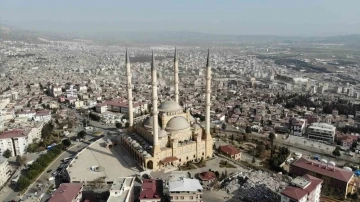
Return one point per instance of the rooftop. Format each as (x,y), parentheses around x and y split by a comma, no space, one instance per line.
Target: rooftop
(298,193)
(120,190)
(229,149)
(151,189)
(323,169)
(115,162)
(185,185)
(66,192)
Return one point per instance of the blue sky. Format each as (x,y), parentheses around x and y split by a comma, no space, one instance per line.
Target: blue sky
(259,17)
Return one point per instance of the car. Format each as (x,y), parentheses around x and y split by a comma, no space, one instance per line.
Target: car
(48,171)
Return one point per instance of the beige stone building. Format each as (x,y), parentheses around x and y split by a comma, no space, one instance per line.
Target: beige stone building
(170,137)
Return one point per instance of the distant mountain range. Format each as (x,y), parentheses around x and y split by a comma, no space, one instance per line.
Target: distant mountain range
(14,33)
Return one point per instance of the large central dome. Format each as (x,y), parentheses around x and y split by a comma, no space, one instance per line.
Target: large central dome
(170,106)
(177,123)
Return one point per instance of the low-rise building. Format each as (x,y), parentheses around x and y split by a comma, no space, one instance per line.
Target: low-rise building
(302,189)
(230,151)
(44,115)
(4,170)
(122,190)
(185,190)
(337,179)
(151,190)
(67,192)
(321,132)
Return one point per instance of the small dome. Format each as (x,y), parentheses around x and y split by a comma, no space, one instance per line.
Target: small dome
(149,122)
(162,133)
(177,123)
(196,126)
(170,106)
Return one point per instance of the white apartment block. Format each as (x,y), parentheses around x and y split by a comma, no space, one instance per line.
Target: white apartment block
(29,115)
(321,132)
(302,189)
(15,141)
(189,190)
(4,170)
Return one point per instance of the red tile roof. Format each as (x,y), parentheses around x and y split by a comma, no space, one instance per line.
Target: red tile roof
(66,192)
(230,150)
(329,171)
(297,193)
(169,159)
(13,134)
(150,189)
(206,176)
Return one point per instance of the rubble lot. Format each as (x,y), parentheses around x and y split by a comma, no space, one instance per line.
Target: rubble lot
(256,186)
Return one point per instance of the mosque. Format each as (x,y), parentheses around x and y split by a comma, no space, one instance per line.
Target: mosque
(170,136)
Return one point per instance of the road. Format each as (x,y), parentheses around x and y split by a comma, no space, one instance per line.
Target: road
(300,144)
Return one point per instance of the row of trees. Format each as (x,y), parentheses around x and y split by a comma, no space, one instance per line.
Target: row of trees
(278,159)
(37,167)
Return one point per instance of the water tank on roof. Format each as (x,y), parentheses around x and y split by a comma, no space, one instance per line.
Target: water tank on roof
(347,168)
(323,161)
(331,163)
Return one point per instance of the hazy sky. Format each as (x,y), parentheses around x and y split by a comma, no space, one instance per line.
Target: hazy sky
(260,17)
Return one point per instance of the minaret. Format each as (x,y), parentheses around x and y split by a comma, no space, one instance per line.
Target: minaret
(176,77)
(208,138)
(129,89)
(156,147)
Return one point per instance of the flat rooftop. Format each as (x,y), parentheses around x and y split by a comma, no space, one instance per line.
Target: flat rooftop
(115,163)
(120,190)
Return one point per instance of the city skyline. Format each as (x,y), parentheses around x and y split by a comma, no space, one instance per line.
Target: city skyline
(280,18)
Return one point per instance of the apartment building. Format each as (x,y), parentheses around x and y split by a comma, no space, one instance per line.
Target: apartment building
(122,189)
(44,115)
(302,189)
(340,180)
(321,132)
(298,127)
(189,190)
(16,141)
(4,170)
(67,192)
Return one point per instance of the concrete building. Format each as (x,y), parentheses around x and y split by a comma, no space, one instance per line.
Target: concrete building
(56,91)
(185,190)
(302,189)
(4,170)
(170,137)
(122,190)
(16,141)
(321,132)
(298,127)
(340,180)
(151,190)
(67,192)
(44,116)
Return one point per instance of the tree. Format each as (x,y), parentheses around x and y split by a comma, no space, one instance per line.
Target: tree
(118,125)
(127,125)
(244,138)
(23,182)
(217,174)
(81,134)
(253,160)
(66,142)
(259,150)
(20,160)
(223,126)
(248,129)
(271,139)
(7,153)
(232,137)
(336,152)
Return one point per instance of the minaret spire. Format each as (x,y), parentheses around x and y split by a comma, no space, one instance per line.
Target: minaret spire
(155,112)
(176,77)
(129,90)
(208,137)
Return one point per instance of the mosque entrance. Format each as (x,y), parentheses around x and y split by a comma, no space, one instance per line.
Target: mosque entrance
(149,164)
